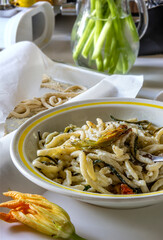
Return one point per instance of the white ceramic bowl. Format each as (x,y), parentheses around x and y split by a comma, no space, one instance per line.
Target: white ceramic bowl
(24,144)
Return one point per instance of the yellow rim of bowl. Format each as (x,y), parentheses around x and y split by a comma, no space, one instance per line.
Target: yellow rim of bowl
(32,125)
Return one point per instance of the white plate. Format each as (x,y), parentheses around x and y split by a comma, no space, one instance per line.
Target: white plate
(24,144)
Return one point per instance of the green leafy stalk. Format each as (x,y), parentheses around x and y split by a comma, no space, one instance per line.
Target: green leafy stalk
(98,28)
(110,47)
(121,40)
(99,63)
(124,63)
(84,37)
(88,44)
(74,236)
(101,39)
(93,5)
(132,27)
(114,60)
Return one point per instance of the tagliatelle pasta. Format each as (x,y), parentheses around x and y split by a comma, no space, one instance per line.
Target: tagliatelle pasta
(107,157)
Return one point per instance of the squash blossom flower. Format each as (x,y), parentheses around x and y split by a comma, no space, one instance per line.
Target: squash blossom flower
(38,213)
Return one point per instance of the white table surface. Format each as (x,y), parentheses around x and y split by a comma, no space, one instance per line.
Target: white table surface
(91,222)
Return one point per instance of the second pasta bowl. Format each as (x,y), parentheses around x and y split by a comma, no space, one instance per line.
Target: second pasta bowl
(97,151)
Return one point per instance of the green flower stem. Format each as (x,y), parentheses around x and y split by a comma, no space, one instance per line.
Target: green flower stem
(122,41)
(113,8)
(98,29)
(114,61)
(99,16)
(117,25)
(74,236)
(88,44)
(101,39)
(132,27)
(124,63)
(109,44)
(99,63)
(109,52)
(90,54)
(83,38)
(93,5)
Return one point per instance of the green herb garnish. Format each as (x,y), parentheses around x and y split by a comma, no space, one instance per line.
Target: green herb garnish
(114,171)
(86,187)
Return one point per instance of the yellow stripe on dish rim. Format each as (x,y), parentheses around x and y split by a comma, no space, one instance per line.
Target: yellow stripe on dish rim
(32,125)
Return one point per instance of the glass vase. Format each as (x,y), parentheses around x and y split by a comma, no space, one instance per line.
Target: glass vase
(104,36)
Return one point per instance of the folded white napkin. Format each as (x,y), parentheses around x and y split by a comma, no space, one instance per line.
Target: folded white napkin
(22,66)
(114,86)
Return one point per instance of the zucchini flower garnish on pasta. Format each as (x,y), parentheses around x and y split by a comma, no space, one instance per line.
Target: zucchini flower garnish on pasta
(38,213)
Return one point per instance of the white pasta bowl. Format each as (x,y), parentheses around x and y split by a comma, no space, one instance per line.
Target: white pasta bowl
(25,144)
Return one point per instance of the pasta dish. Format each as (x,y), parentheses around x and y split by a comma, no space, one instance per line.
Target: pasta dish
(114,157)
(59,94)
(62,93)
